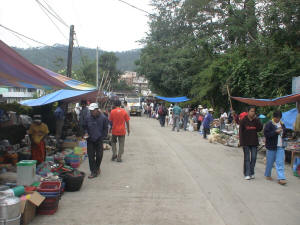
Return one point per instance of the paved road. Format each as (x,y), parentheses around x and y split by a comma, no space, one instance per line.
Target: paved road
(172,178)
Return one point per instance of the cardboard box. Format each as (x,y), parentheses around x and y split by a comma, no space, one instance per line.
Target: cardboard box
(28,207)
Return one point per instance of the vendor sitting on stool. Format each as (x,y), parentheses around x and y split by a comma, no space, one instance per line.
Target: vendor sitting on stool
(38,132)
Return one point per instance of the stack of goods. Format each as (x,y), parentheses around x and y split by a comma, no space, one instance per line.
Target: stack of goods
(51,191)
(73,160)
(59,157)
(293,145)
(83,145)
(24,153)
(8,153)
(51,145)
(80,152)
(70,142)
(233,141)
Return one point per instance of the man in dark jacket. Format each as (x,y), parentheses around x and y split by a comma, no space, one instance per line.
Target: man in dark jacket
(249,127)
(96,128)
(274,132)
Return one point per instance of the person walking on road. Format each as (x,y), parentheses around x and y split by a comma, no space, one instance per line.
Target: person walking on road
(162,112)
(96,129)
(119,118)
(208,119)
(274,133)
(249,127)
(176,117)
(59,115)
(186,115)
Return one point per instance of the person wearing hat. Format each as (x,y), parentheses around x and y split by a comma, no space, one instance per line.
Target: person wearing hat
(96,129)
(208,119)
(38,131)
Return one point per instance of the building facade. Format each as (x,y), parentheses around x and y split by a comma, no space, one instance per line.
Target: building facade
(16,94)
(140,83)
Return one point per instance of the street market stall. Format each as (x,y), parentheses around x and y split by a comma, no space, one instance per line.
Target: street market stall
(25,187)
(291,120)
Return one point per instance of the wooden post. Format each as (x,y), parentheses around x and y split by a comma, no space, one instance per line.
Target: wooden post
(229,97)
(70,51)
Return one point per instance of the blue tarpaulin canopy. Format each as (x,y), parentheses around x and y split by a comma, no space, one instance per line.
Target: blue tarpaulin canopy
(174,99)
(289,118)
(59,96)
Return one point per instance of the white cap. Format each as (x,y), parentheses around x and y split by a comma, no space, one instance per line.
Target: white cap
(211,110)
(200,107)
(93,106)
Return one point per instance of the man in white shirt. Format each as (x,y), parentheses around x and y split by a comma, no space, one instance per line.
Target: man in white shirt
(223,119)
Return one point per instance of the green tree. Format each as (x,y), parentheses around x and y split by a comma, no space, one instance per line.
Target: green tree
(197,48)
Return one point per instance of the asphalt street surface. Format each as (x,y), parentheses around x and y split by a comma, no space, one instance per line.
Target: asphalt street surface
(170,178)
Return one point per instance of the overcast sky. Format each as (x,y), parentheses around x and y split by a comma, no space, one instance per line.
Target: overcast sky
(110,24)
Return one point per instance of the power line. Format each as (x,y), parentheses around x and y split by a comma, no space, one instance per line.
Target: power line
(60,20)
(15,32)
(29,45)
(142,10)
(53,22)
(55,13)
(80,52)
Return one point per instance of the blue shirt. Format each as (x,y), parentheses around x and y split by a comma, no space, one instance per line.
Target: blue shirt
(96,127)
(176,110)
(207,120)
(59,113)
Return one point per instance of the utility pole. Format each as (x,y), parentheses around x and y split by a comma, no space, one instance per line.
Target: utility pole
(97,68)
(70,51)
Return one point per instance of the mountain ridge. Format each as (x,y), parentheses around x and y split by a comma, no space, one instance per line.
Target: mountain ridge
(55,57)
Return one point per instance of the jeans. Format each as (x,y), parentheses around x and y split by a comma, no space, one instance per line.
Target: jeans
(198,125)
(276,156)
(206,131)
(162,120)
(95,154)
(185,121)
(114,141)
(176,122)
(250,154)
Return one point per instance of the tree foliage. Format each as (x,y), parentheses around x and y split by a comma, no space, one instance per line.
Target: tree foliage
(197,48)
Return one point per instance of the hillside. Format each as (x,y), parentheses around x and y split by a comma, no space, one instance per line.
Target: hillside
(48,57)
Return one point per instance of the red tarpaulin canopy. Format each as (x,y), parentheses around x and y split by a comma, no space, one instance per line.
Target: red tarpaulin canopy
(16,71)
(269,102)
